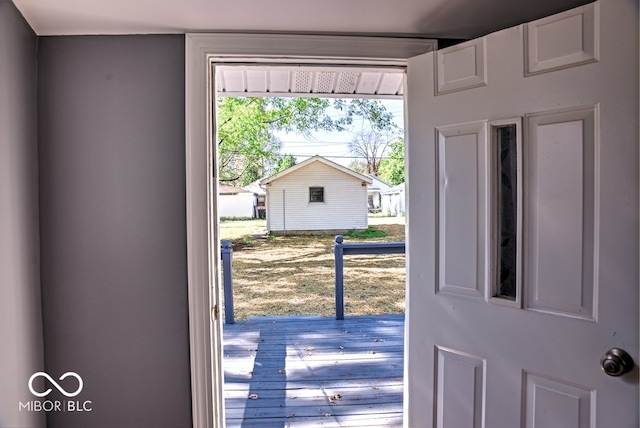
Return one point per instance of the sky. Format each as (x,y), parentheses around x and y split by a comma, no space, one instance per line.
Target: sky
(333,145)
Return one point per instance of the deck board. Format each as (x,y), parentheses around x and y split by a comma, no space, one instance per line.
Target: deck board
(314,372)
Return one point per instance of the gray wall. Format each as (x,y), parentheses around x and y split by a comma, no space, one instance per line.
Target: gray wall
(20,319)
(113,226)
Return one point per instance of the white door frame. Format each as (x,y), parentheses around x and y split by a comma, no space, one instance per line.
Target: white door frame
(202,50)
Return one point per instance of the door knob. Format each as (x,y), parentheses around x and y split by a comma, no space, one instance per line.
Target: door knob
(616,362)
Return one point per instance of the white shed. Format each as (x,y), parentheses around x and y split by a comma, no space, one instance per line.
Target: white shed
(261,197)
(374,197)
(316,195)
(235,203)
(393,200)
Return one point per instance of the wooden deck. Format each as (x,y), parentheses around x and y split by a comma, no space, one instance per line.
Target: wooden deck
(314,372)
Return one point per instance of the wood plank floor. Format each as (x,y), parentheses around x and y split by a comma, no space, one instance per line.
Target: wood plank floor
(314,372)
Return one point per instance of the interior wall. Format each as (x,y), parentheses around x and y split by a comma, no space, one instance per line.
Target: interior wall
(113,234)
(21,352)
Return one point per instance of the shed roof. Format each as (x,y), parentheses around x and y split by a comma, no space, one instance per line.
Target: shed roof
(254,187)
(377,185)
(395,189)
(316,158)
(225,189)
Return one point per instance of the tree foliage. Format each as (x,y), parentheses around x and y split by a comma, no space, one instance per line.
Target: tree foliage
(373,112)
(248,148)
(285,162)
(392,170)
(358,166)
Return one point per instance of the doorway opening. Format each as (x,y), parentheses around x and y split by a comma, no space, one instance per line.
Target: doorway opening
(311,368)
(202,52)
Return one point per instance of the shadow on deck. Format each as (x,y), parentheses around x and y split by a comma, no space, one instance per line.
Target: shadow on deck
(314,372)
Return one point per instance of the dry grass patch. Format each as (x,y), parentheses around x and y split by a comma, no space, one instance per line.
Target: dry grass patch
(294,275)
(235,229)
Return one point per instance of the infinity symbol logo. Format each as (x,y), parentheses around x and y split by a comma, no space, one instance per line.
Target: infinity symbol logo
(58,387)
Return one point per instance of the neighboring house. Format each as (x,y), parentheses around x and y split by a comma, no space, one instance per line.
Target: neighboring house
(261,197)
(316,195)
(393,200)
(374,197)
(234,202)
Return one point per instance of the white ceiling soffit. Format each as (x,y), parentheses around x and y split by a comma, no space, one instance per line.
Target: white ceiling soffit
(335,82)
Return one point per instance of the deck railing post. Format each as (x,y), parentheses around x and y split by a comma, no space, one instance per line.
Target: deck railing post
(339,252)
(226,254)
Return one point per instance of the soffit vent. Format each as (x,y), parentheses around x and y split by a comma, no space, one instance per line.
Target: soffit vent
(302,81)
(242,80)
(324,82)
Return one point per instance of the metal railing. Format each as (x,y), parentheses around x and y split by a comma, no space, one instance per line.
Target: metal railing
(340,249)
(226,255)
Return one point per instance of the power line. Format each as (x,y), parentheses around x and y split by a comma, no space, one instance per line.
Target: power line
(340,156)
(307,143)
(314,143)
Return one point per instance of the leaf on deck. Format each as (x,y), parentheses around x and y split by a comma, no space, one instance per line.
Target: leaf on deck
(334,398)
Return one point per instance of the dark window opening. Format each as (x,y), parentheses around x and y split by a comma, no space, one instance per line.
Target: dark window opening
(507,214)
(316,194)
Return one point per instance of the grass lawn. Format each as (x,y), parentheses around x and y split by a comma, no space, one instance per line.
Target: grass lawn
(294,275)
(236,229)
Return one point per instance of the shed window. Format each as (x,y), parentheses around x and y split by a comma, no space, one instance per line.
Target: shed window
(316,194)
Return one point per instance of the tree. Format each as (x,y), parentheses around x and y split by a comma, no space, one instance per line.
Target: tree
(358,166)
(285,162)
(373,112)
(247,145)
(370,146)
(392,170)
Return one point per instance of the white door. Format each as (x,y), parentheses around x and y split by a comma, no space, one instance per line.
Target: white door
(523,225)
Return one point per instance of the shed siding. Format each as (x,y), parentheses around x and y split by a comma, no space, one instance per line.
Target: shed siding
(240,205)
(344,206)
(393,200)
(393,204)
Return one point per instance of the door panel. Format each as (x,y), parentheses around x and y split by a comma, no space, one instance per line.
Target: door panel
(552,402)
(461,203)
(562,211)
(461,67)
(535,360)
(460,379)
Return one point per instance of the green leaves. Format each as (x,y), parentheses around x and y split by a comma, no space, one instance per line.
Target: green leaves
(392,170)
(285,162)
(372,111)
(248,148)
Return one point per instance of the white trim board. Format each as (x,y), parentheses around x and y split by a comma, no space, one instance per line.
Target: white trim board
(201,51)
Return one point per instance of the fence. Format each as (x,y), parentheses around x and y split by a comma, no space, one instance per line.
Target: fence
(341,249)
